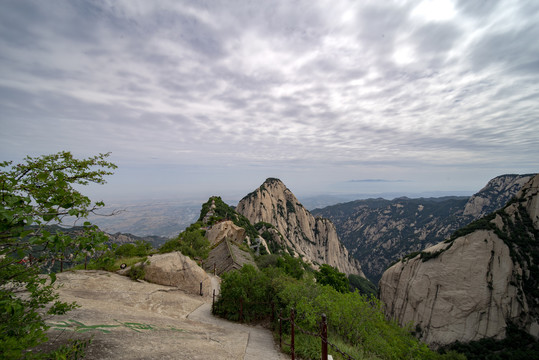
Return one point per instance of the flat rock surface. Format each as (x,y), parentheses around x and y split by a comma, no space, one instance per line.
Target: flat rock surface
(129,319)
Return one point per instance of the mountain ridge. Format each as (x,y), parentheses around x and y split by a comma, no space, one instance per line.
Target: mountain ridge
(476,284)
(379,231)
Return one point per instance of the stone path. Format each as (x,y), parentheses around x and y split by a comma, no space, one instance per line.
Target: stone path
(260,345)
(135,320)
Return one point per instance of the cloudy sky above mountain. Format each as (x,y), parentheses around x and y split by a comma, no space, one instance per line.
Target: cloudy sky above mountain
(196,98)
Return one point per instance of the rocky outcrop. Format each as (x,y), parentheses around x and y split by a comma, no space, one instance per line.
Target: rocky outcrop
(472,285)
(315,239)
(495,195)
(225,230)
(379,231)
(176,269)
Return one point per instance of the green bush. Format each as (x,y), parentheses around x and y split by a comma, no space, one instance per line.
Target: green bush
(105,261)
(356,323)
(252,287)
(136,272)
(294,267)
(190,242)
(328,275)
(139,248)
(34,195)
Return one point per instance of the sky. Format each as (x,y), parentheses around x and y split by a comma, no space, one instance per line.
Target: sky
(200,98)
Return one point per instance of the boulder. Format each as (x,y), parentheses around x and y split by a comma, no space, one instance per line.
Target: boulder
(176,269)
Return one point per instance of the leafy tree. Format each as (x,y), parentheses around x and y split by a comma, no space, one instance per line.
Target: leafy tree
(328,275)
(33,195)
(139,248)
(190,242)
(252,287)
(291,266)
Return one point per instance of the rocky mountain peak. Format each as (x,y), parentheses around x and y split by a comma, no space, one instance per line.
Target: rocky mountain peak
(495,194)
(473,285)
(297,230)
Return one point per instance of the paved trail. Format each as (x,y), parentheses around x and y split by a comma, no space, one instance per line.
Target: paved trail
(260,345)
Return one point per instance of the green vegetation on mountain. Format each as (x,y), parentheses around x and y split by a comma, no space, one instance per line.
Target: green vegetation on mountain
(33,195)
(328,275)
(364,286)
(139,248)
(356,323)
(222,212)
(191,242)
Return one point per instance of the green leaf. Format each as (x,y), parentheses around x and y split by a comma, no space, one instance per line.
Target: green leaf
(42,176)
(48,217)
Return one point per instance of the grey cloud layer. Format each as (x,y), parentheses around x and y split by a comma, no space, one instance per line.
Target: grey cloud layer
(340,82)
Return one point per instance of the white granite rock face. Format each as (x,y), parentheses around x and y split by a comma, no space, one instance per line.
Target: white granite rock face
(470,291)
(314,238)
(464,294)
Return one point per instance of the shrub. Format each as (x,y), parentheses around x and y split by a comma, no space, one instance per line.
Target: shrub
(139,248)
(356,322)
(136,272)
(328,275)
(191,243)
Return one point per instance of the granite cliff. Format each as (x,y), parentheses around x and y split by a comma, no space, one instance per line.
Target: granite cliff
(474,284)
(379,231)
(292,227)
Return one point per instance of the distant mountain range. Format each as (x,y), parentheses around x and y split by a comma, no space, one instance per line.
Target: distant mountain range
(378,231)
(167,218)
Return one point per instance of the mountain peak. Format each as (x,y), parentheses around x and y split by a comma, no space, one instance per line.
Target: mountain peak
(299,233)
(271,180)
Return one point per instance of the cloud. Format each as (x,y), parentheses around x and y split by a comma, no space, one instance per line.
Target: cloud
(295,87)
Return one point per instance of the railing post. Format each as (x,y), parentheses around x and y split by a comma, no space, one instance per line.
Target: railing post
(213,302)
(292,326)
(85,261)
(241,309)
(62,263)
(324,336)
(201,288)
(272,317)
(281,330)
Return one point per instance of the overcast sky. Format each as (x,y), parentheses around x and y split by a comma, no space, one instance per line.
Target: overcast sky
(196,98)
